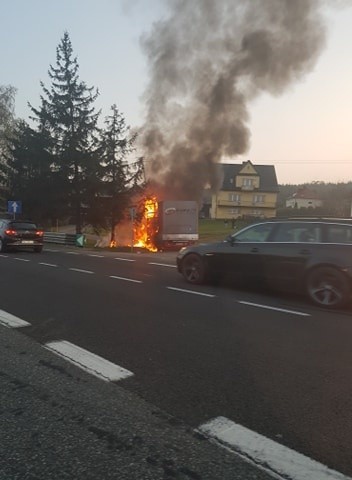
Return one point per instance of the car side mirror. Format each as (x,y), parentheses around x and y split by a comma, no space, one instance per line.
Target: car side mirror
(230,239)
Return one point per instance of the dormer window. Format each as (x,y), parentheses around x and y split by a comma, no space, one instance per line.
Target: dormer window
(247,183)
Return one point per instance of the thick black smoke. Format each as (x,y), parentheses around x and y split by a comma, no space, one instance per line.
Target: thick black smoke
(207,61)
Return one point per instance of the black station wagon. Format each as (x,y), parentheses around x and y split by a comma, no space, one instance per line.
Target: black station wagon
(310,256)
(20,234)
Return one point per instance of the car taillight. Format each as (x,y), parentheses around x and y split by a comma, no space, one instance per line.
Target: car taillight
(40,233)
(10,232)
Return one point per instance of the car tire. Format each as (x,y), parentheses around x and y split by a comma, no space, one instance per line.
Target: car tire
(193,269)
(38,249)
(327,287)
(2,246)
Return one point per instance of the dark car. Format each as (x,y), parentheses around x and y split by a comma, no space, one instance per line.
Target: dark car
(310,256)
(20,234)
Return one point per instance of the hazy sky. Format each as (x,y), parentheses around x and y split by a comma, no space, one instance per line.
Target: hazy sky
(304,132)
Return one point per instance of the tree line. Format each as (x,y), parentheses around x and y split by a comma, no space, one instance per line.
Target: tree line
(65,167)
(336,199)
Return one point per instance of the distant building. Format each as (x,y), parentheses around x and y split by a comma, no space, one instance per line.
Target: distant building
(304,198)
(247,190)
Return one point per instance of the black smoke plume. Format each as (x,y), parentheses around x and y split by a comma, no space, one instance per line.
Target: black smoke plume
(208,59)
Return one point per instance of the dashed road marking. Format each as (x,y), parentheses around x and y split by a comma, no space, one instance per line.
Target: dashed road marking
(95,255)
(192,292)
(162,264)
(126,279)
(88,361)
(47,264)
(268,307)
(124,259)
(22,259)
(10,320)
(267,454)
(80,270)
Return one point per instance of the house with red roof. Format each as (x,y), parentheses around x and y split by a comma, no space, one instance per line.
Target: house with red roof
(304,197)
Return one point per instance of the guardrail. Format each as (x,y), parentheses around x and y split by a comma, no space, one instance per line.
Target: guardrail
(71,239)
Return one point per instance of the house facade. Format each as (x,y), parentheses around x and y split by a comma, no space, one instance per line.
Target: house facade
(304,198)
(247,191)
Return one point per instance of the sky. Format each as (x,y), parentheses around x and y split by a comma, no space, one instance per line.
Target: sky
(304,132)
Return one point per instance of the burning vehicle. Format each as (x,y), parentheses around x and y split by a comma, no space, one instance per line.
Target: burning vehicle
(166,225)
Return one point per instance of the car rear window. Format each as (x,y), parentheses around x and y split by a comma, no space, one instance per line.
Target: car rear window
(23,226)
(339,234)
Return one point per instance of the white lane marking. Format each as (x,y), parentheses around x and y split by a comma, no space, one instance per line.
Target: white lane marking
(95,255)
(4,256)
(72,253)
(269,455)
(47,264)
(124,259)
(22,259)
(51,250)
(126,279)
(88,361)
(268,307)
(162,264)
(11,321)
(191,291)
(80,270)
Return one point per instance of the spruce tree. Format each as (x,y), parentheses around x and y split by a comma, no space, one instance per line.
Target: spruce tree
(68,115)
(30,177)
(119,177)
(7,122)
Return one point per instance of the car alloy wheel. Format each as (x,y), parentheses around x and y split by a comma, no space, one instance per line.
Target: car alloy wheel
(193,269)
(327,287)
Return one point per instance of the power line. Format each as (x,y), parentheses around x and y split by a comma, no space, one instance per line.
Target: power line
(292,162)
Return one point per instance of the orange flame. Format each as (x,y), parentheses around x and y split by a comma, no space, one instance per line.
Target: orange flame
(146,229)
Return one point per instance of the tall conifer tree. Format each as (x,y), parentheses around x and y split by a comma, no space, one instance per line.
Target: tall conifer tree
(7,123)
(68,114)
(30,175)
(118,175)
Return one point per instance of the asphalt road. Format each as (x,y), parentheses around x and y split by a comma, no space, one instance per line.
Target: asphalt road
(273,364)
(59,423)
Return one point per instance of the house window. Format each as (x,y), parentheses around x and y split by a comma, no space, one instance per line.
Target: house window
(234,197)
(247,183)
(258,198)
(234,211)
